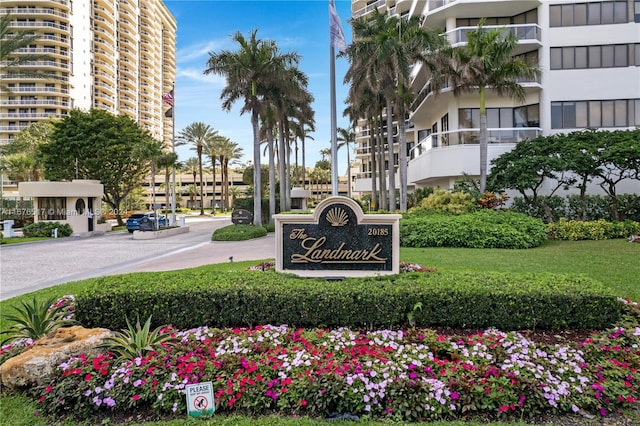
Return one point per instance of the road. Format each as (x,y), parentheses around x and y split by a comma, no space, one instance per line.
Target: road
(28,267)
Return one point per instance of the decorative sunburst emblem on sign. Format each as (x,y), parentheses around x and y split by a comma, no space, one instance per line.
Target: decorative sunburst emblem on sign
(337,217)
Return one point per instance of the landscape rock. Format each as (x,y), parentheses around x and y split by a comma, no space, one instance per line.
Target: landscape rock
(39,361)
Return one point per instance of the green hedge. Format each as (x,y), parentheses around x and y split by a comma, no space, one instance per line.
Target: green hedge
(592,230)
(45,229)
(191,299)
(479,229)
(238,233)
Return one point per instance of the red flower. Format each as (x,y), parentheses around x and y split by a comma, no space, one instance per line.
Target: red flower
(136,397)
(48,389)
(87,377)
(303,402)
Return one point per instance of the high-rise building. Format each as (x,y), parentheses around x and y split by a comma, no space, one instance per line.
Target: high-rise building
(588,53)
(115,55)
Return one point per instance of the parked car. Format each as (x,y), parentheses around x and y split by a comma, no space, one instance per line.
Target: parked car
(133,222)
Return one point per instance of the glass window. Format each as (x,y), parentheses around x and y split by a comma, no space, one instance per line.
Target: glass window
(533,115)
(595,118)
(607,56)
(555,15)
(580,14)
(620,55)
(636,107)
(620,12)
(582,115)
(593,13)
(568,115)
(556,58)
(556,115)
(637,55)
(594,57)
(581,57)
(568,62)
(506,117)
(464,118)
(636,11)
(493,118)
(52,208)
(620,111)
(532,16)
(606,13)
(567,15)
(607,114)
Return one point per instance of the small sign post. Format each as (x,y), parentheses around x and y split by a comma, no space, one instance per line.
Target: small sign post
(200,399)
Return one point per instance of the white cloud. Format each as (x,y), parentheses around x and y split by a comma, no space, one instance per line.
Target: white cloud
(196,74)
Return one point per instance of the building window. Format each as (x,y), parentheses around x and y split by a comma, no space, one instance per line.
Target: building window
(500,118)
(595,114)
(600,56)
(595,13)
(52,208)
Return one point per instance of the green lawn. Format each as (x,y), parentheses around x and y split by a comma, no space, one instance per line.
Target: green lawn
(614,262)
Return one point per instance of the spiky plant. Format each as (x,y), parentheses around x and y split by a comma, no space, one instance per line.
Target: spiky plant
(135,341)
(36,319)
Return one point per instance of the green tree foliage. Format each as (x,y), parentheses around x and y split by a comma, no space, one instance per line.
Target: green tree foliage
(446,201)
(569,160)
(19,157)
(99,145)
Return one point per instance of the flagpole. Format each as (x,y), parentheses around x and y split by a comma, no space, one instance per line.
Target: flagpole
(173,149)
(334,142)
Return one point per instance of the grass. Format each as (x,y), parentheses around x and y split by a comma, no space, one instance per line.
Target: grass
(614,262)
(16,240)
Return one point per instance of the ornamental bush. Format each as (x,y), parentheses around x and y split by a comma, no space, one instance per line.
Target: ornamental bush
(446,201)
(45,229)
(192,298)
(480,229)
(592,230)
(238,233)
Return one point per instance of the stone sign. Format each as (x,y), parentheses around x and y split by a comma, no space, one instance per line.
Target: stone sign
(242,217)
(337,239)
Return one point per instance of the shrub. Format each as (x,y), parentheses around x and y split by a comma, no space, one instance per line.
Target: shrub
(1,238)
(135,341)
(36,319)
(445,201)
(45,229)
(270,227)
(481,229)
(471,300)
(592,230)
(238,233)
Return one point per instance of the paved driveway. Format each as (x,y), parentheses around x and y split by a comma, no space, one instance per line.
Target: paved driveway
(28,267)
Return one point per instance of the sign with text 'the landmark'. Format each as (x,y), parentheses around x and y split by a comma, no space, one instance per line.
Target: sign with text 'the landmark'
(337,239)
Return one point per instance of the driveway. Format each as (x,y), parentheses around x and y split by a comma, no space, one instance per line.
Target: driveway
(28,267)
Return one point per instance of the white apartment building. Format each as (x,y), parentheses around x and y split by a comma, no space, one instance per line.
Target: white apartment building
(589,56)
(116,55)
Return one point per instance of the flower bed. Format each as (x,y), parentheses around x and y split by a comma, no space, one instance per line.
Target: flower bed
(414,374)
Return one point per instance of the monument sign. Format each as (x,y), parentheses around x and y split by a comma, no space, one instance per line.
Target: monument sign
(241,217)
(337,239)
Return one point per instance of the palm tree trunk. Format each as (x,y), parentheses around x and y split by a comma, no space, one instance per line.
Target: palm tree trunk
(281,166)
(257,182)
(213,202)
(402,158)
(484,142)
(200,171)
(382,175)
(372,170)
(390,154)
(272,173)
(348,170)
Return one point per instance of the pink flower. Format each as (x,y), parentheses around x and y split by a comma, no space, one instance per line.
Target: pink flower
(136,397)
(454,395)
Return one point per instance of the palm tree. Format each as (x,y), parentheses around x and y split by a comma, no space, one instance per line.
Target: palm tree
(166,162)
(249,71)
(346,137)
(486,62)
(198,134)
(191,166)
(383,51)
(230,152)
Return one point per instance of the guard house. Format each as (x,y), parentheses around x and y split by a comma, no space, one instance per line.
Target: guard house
(74,202)
(299,198)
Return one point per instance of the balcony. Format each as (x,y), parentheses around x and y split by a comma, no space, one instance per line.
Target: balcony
(527,34)
(369,8)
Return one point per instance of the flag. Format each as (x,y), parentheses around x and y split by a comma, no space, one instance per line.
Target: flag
(335,29)
(169,113)
(168,98)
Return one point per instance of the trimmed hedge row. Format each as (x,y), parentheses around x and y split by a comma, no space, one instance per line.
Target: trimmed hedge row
(238,233)
(480,229)
(45,229)
(592,230)
(191,299)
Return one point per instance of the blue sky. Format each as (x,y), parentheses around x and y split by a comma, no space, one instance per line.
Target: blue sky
(300,26)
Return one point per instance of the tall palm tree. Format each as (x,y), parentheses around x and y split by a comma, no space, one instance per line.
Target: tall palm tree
(345,138)
(486,63)
(230,152)
(249,71)
(166,162)
(384,49)
(191,166)
(197,134)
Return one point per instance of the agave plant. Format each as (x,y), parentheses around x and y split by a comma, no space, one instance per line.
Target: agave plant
(135,341)
(36,319)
